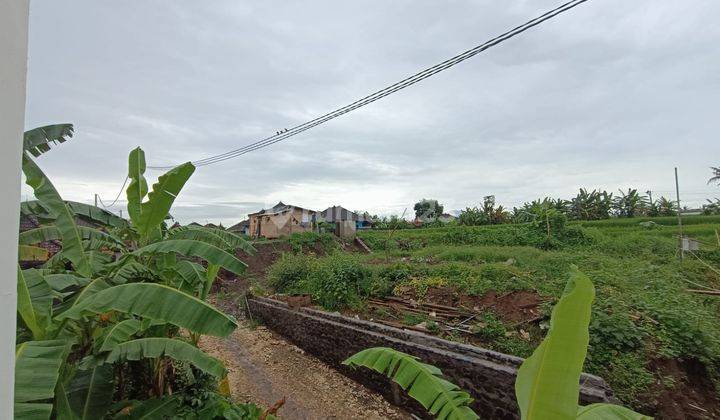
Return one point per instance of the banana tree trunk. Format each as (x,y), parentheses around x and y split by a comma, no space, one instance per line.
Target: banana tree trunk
(13,70)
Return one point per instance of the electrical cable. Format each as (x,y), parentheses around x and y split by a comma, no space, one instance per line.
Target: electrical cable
(411,80)
(118,196)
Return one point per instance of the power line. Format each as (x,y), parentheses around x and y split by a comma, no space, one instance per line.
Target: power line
(408,81)
(118,195)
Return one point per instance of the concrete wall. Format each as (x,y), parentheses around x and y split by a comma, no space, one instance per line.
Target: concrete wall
(13,69)
(487,375)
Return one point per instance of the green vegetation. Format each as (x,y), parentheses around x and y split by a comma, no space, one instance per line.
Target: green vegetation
(642,313)
(109,325)
(547,384)
(423,382)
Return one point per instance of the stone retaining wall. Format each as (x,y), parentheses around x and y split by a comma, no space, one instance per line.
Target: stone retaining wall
(487,375)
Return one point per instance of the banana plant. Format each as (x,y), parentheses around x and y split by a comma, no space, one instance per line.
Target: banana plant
(113,296)
(547,384)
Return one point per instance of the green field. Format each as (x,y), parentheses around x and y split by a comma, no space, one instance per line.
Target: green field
(650,338)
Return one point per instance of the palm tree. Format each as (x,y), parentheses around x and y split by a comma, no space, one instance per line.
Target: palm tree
(716,175)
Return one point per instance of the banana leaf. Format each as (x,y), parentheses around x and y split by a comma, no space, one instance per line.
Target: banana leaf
(155,347)
(37,141)
(217,237)
(441,398)
(190,248)
(37,367)
(51,232)
(90,392)
(602,411)
(120,333)
(32,253)
(162,197)
(65,221)
(548,382)
(138,187)
(156,302)
(34,301)
(60,282)
(156,408)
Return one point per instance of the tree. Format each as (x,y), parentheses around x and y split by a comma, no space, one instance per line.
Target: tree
(716,175)
(427,210)
(630,204)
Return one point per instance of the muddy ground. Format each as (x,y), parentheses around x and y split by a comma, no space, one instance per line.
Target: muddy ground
(264,368)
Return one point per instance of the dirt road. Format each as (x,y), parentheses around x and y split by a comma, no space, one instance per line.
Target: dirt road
(264,368)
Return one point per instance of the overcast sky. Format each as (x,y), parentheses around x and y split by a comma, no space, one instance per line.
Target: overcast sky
(612,94)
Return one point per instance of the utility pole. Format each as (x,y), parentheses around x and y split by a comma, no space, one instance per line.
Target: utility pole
(95,200)
(677,195)
(13,73)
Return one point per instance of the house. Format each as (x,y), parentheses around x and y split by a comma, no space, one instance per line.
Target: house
(447,217)
(242,228)
(281,220)
(336,214)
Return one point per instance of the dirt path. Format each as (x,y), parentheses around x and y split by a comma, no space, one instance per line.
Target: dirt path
(264,368)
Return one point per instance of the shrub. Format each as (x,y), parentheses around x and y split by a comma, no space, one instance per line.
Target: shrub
(338,280)
(290,271)
(304,241)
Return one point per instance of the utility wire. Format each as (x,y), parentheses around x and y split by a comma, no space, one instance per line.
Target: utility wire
(411,80)
(118,196)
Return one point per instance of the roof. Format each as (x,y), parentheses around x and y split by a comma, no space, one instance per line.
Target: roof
(280,207)
(239,226)
(337,213)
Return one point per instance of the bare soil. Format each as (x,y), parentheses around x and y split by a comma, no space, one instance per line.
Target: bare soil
(692,396)
(265,368)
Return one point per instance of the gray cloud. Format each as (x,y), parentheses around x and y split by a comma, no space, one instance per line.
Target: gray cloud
(611,95)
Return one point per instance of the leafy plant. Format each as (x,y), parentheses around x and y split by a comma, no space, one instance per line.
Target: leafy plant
(423,382)
(547,384)
(114,299)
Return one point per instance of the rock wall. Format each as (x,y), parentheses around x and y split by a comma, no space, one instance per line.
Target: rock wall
(487,375)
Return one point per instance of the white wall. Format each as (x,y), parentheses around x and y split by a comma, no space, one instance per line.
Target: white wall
(13,68)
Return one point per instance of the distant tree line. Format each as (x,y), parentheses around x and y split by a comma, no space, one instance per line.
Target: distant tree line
(586,205)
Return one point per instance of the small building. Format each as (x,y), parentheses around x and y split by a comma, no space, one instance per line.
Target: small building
(281,220)
(242,228)
(337,214)
(446,218)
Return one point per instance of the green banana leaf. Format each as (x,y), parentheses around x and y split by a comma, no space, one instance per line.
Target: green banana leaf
(62,404)
(96,214)
(190,248)
(138,187)
(32,253)
(441,398)
(34,301)
(88,291)
(51,232)
(217,237)
(156,408)
(157,302)
(155,347)
(608,412)
(90,392)
(37,367)
(161,198)
(60,282)
(191,275)
(548,382)
(32,411)
(65,221)
(210,275)
(119,333)
(37,141)
(131,271)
